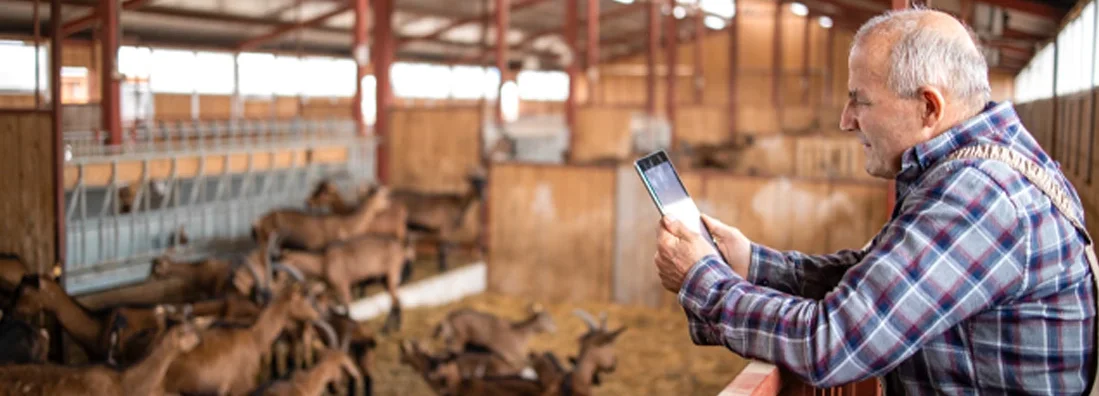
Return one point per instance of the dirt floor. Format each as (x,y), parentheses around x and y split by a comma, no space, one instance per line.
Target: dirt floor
(655,355)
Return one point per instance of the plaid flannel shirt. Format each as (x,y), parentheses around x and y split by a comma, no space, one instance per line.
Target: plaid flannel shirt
(977,285)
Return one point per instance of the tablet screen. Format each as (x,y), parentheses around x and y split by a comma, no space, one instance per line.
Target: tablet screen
(673,199)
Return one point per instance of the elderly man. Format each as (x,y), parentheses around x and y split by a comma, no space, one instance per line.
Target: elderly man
(981,282)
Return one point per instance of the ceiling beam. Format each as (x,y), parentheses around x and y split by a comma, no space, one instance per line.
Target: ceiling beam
(1030,7)
(1015,34)
(91,17)
(462,21)
(290,27)
(603,17)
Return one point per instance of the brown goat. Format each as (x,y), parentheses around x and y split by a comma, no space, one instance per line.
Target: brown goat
(439,217)
(12,270)
(307,231)
(229,358)
(36,294)
(596,356)
(22,342)
(502,337)
(344,264)
(315,380)
(393,221)
(144,378)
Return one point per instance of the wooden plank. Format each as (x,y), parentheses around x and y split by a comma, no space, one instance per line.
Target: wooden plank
(552,232)
(171,107)
(26,193)
(99,174)
(329,155)
(779,213)
(602,133)
(433,150)
(701,125)
(214,107)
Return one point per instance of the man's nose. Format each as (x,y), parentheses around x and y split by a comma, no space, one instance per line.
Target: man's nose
(847,119)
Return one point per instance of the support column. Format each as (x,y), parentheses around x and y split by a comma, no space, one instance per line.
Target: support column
(671,36)
(776,67)
(58,154)
(699,77)
(360,53)
(502,10)
(650,56)
(571,20)
(111,96)
(383,45)
(592,52)
(734,68)
(806,75)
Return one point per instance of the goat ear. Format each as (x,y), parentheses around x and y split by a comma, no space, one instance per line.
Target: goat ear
(615,334)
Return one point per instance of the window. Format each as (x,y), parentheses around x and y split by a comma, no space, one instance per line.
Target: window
(509,103)
(543,85)
(135,62)
(287,70)
(467,82)
(172,71)
(370,97)
(257,74)
(1035,82)
(327,77)
(420,80)
(213,73)
(17,69)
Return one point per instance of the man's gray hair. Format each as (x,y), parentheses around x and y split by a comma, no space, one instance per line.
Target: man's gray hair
(927,57)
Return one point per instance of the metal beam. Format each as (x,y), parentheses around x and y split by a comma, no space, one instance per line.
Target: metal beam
(671,36)
(110,98)
(1030,7)
(290,27)
(89,19)
(572,68)
(462,21)
(58,156)
(776,64)
(384,48)
(699,78)
(503,9)
(734,69)
(591,55)
(359,51)
(604,17)
(806,73)
(653,42)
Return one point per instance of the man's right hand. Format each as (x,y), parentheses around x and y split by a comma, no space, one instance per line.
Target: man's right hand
(733,245)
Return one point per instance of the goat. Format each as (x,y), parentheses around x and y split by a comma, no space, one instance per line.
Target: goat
(313,232)
(393,221)
(344,264)
(215,277)
(21,342)
(596,356)
(229,358)
(144,378)
(547,370)
(36,294)
(440,216)
(315,380)
(12,270)
(504,338)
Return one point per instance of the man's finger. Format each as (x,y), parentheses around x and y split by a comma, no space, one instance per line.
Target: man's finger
(676,228)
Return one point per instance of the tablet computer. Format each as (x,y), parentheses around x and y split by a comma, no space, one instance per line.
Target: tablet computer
(668,193)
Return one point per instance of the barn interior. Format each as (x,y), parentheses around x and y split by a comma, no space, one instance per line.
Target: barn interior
(160,156)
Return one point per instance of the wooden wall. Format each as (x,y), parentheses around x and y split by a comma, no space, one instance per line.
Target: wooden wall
(433,150)
(27,191)
(601,133)
(551,233)
(582,233)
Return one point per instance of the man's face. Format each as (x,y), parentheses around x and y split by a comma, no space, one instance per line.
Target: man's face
(885,123)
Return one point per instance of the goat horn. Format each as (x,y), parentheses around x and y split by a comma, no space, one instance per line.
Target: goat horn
(586,317)
(257,285)
(329,333)
(289,270)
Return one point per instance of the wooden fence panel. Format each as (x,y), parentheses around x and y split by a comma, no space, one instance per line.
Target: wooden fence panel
(433,150)
(27,191)
(552,232)
(698,125)
(601,133)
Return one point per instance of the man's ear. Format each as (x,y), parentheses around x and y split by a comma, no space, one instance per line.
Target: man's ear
(932,105)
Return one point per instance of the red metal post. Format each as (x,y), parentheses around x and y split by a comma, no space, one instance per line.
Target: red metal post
(650,58)
(571,17)
(359,52)
(37,69)
(592,53)
(58,155)
(734,68)
(806,75)
(829,58)
(671,35)
(699,78)
(111,97)
(777,66)
(502,11)
(383,47)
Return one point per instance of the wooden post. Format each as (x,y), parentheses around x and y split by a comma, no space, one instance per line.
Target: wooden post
(359,53)
(650,56)
(383,46)
(58,154)
(110,99)
(592,53)
(776,67)
(671,35)
(806,75)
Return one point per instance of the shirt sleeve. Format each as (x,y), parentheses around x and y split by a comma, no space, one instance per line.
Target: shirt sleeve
(953,250)
(798,273)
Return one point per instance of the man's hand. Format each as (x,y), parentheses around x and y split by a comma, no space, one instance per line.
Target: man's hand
(733,245)
(678,249)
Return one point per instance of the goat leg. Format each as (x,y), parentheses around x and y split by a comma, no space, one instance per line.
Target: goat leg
(393,322)
(443,247)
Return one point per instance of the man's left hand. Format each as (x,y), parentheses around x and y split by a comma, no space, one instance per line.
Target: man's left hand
(678,249)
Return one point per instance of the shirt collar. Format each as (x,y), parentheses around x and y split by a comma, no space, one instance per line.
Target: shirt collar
(991,125)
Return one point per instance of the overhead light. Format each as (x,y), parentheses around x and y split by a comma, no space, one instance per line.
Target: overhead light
(799,9)
(714,22)
(679,12)
(625,1)
(825,22)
